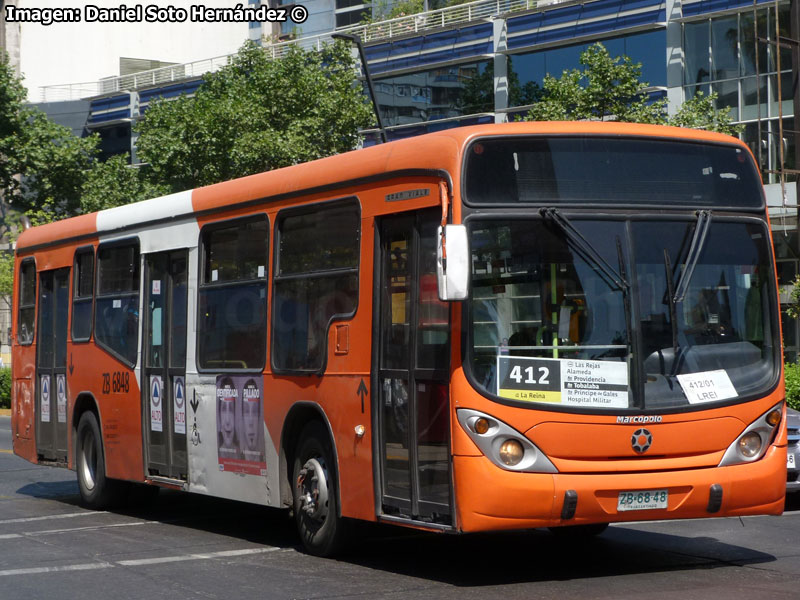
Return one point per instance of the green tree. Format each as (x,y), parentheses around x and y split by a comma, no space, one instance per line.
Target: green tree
(42,164)
(115,183)
(254,115)
(611,89)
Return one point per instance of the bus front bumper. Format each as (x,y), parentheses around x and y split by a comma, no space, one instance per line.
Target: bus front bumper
(490,498)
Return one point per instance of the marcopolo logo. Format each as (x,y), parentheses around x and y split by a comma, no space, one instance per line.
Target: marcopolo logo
(641,440)
(639,419)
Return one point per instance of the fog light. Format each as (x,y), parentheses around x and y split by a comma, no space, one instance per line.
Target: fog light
(511,452)
(774,417)
(750,444)
(481,425)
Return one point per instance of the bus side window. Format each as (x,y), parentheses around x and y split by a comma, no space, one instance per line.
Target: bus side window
(232,328)
(316,281)
(27,301)
(116,319)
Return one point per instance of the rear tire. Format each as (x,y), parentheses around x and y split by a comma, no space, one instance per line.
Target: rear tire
(97,491)
(315,491)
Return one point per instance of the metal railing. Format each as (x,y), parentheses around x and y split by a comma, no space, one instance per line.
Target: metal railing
(371,32)
(416,23)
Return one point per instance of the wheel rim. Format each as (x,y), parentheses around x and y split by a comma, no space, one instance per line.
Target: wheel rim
(88,461)
(312,486)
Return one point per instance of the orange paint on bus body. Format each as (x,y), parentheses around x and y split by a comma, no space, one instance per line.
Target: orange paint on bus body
(592,453)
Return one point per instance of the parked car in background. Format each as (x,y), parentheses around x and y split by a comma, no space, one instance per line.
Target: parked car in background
(793,451)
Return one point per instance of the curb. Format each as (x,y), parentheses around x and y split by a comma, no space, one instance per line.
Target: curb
(5,412)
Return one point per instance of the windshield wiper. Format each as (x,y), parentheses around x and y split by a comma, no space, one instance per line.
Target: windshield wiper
(676,290)
(585,247)
(695,249)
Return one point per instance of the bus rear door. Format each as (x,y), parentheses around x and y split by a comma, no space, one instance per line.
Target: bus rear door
(164,374)
(51,365)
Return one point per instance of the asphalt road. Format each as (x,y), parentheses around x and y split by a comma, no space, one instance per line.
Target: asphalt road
(185,546)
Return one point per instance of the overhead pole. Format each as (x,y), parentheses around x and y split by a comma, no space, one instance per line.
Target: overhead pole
(354,39)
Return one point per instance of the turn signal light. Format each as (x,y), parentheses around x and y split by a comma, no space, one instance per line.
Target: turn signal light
(774,417)
(481,425)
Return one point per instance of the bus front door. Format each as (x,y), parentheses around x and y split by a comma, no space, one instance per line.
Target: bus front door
(164,402)
(51,365)
(412,412)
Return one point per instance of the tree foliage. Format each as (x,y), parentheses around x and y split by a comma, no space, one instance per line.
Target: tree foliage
(256,114)
(611,89)
(42,164)
(115,183)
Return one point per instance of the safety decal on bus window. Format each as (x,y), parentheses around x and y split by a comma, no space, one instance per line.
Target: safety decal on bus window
(44,396)
(571,382)
(708,386)
(156,405)
(61,397)
(179,405)
(240,425)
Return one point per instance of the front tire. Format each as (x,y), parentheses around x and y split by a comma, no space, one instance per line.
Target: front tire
(97,491)
(316,507)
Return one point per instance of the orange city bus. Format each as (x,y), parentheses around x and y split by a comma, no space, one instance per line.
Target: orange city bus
(494,327)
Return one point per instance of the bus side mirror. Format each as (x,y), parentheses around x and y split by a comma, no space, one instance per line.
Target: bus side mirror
(452,262)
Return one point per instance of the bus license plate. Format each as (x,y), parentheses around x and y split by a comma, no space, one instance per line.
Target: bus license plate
(790,464)
(642,500)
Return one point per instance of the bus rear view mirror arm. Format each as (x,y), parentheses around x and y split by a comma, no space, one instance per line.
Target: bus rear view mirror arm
(452,262)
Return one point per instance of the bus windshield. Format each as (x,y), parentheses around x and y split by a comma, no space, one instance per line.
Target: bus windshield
(548,324)
(619,171)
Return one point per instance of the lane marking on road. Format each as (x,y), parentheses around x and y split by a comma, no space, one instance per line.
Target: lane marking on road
(788,513)
(10,536)
(199,556)
(7,451)
(85,513)
(40,570)
(90,528)
(137,562)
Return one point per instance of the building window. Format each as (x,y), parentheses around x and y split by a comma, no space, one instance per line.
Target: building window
(440,93)
(233,295)
(526,71)
(116,319)
(82,293)
(27,301)
(316,281)
(735,57)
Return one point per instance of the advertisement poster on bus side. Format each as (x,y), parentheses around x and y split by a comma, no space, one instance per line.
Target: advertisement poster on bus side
(240,424)
(565,381)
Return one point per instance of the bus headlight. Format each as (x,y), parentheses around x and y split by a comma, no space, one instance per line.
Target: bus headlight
(755,439)
(750,444)
(511,452)
(502,444)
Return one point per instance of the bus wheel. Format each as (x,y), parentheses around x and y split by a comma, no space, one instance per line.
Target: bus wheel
(316,509)
(579,531)
(96,490)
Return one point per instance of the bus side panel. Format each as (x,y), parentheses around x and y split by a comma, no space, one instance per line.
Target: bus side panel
(23,405)
(115,388)
(340,402)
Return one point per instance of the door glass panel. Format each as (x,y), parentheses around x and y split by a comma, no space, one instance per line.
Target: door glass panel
(397,302)
(156,292)
(433,432)
(62,317)
(433,335)
(178,306)
(46,320)
(395,405)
